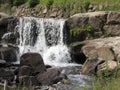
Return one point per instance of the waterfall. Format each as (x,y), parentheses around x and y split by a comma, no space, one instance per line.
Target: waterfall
(44,36)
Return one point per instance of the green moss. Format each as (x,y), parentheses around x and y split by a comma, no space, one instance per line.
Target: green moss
(77,31)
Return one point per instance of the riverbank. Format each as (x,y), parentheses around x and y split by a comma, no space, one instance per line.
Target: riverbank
(57,8)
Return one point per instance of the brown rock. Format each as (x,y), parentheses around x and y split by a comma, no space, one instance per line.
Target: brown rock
(33,60)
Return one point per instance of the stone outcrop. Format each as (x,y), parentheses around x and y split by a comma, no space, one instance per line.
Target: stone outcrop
(98,51)
(93,25)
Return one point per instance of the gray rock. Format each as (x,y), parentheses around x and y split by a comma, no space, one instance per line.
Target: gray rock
(113,18)
(113,30)
(6,74)
(51,76)
(9,54)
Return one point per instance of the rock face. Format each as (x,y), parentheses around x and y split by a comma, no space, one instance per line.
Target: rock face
(98,51)
(84,26)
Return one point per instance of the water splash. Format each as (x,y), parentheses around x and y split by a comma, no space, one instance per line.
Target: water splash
(44,36)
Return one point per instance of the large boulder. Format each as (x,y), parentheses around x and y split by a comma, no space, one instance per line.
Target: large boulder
(98,51)
(33,60)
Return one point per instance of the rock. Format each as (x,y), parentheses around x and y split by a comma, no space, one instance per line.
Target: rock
(110,66)
(51,88)
(82,19)
(2,63)
(51,76)
(113,18)
(6,74)
(113,30)
(33,60)
(28,81)
(77,20)
(3,15)
(5,23)
(98,51)
(9,54)
(84,26)
(98,21)
(64,81)
(25,70)
(10,37)
(53,15)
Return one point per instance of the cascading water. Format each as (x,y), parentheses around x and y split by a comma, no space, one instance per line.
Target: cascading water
(44,36)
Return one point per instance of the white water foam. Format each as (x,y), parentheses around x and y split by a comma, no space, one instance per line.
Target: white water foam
(44,36)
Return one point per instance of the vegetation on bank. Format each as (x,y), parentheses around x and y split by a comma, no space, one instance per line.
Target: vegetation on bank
(70,6)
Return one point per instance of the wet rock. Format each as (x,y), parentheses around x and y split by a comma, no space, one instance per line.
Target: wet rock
(7,23)
(33,60)
(49,77)
(28,81)
(2,63)
(10,37)
(9,54)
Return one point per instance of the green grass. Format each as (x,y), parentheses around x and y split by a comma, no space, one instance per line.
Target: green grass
(68,7)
